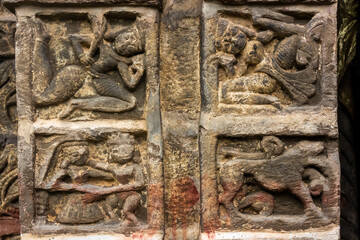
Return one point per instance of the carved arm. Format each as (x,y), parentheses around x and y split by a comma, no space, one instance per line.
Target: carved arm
(131,74)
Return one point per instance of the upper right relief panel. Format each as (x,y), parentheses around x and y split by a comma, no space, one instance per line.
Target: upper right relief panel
(269,59)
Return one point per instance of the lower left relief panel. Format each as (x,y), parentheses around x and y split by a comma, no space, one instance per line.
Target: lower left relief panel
(98,179)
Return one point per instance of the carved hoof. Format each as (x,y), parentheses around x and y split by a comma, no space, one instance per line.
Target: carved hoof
(277,105)
(315,213)
(68,110)
(129,223)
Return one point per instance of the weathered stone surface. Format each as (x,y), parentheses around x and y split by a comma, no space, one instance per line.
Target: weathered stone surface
(90,149)
(12,4)
(235,2)
(201,120)
(269,75)
(180,106)
(9,205)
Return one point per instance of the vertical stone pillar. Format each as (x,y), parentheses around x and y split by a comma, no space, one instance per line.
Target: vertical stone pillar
(269,155)
(180,105)
(89,147)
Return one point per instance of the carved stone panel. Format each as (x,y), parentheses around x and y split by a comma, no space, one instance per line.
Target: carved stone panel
(277,183)
(269,160)
(9,199)
(88,103)
(94,178)
(269,60)
(89,67)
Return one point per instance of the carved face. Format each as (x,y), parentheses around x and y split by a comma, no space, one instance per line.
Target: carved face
(315,28)
(254,52)
(233,41)
(120,153)
(76,155)
(128,42)
(307,52)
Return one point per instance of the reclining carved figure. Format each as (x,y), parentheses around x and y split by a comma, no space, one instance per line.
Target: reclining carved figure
(253,73)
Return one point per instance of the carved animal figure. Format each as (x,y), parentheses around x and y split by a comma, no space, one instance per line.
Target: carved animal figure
(123,54)
(282,171)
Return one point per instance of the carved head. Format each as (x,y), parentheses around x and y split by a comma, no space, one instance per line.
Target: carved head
(272,146)
(75,153)
(254,52)
(230,38)
(121,148)
(314,28)
(129,42)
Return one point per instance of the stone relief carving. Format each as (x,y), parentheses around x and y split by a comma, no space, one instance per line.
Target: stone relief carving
(272,183)
(7,78)
(109,64)
(97,179)
(9,182)
(268,58)
(95,162)
(9,194)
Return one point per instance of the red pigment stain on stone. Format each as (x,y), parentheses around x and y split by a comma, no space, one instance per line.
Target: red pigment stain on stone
(184,195)
(143,235)
(155,205)
(210,235)
(9,226)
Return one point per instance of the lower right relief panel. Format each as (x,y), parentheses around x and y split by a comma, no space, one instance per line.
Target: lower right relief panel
(278,183)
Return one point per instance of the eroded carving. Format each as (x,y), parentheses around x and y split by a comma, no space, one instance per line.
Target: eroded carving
(7,78)
(97,179)
(111,62)
(9,182)
(268,58)
(9,192)
(271,183)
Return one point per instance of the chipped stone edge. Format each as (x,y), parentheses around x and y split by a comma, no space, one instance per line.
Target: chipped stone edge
(315,234)
(104,236)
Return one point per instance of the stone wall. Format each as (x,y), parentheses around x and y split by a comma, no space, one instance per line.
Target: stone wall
(182,119)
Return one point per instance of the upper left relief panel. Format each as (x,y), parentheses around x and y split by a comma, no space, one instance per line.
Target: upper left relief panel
(90,65)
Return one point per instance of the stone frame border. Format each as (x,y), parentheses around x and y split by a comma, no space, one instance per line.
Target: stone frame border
(306,121)
(28,127)
(320,118)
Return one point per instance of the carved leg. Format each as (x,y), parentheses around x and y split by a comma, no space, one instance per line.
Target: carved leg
(111,203)
(300,190)
(100,104)
(261,201)
(131,204)
(114,98)
(232,182)
(49,89)
(254,99)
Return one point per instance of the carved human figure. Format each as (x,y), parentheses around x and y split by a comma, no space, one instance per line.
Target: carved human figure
(122,168)
(72,159)
(253,73)
(274,169)
(122,52)
(123,163)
